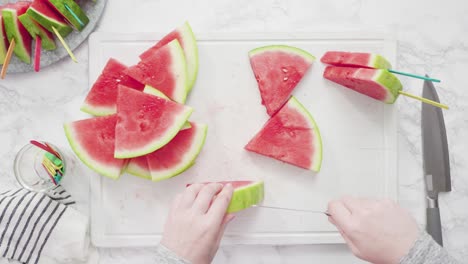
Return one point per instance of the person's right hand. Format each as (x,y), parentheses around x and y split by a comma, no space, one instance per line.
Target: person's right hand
(378,231)
(196,222)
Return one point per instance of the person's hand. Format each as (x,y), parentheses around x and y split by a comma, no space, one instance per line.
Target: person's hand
(197,220)
(378,231)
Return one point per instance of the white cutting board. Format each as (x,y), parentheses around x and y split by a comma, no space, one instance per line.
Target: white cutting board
(359,139)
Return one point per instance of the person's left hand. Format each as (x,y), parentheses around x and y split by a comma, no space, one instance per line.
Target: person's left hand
(196,222)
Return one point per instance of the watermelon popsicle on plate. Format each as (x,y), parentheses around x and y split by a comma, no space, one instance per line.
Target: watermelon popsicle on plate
(15,30)
(36,30)
(72,12)
(48,17)
(3,39)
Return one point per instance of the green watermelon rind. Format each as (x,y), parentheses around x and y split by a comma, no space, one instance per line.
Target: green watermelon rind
(191,55)
(190,156)
(246,196)
(379,62)
(179,66)
(10,21)
(3,47)
(60,6)
(283,48)
(317,161)
(179,122)
(98,110)
(389,82)
(86,159)
(48,23)
(34,30)
(136,171)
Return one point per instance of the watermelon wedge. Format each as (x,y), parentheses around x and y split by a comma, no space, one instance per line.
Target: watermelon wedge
(48,17)
(102,97)
(74,15)
(376,83)
(179,154)
(34,29)
(14,29)
(186,38)
(139,167)
(3,39)
(146,122)
(164,70)
(355,59)
(93,140)
(245,195)
(278,69)
(292,136)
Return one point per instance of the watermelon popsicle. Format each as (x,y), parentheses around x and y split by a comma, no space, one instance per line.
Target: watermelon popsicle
(15,30)
(47,17)
(36,30)
(3,39)
(72,12)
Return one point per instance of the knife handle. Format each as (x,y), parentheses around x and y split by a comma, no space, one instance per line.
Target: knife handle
(433,225)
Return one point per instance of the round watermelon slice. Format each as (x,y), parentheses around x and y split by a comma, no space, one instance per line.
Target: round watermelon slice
(278,69)
(102,97)
(379,84)
(15,30)
(292,136)
(179,154)
(186,38)
(164,70)
(245,195)
(93,140)
(146,122)
(355,59)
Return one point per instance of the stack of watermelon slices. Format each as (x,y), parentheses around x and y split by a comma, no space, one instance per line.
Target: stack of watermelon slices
(291,134)
(141,129)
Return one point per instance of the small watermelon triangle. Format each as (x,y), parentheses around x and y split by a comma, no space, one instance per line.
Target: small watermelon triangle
(146,122)
(93,140)
(179,154)
(165,69)
(278,69)
(292,136)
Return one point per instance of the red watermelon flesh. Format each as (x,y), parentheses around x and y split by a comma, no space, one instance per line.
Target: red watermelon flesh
(378,84)
(93,140)
(146,122)
(355,59)
(101,99)
(165,70)
(292,136)
(179,154)
(188,42)
(14,29)
(278,69)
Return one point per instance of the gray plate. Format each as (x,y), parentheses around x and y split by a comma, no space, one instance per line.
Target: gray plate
(74,39)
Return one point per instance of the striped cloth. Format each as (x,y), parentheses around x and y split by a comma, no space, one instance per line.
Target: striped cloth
(27,220)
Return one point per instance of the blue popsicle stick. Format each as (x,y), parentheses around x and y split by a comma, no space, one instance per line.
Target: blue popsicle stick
(74,15)
(415,76)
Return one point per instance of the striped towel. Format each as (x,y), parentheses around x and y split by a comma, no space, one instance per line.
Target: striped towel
(31,221)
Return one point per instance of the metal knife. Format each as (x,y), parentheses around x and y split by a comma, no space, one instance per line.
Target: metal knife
(291,209)
(435,159)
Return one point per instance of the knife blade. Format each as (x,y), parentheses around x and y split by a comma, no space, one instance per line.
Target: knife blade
(291,209)
(436,163)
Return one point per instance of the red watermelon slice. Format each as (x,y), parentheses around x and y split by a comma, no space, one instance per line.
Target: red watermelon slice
(164,70)
(179,154)
(186,38)
(101,99)
(48,17)
(278,69)
(14,29)
(146,122)
(378,84)
(245,195)
(93,140)
(292,136)
(355,59)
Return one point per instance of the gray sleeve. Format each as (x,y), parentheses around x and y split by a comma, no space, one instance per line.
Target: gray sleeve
(166,256)
(426,251)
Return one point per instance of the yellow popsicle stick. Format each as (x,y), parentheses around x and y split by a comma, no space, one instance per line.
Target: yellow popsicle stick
(48,166)
(65,45)
(8,58)
(424,100)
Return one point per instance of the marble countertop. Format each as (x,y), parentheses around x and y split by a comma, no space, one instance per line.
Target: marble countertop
(431,39)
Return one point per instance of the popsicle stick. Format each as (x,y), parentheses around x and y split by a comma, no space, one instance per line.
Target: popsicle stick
(37,54)
(9,53)
(74,15)
(424,100)
(65,45)
(414,76)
